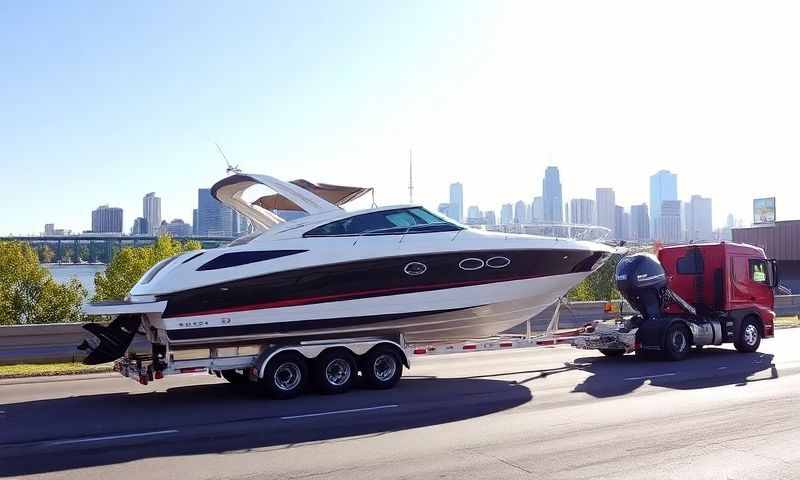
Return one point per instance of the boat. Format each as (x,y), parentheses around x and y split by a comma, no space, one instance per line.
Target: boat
(332,273)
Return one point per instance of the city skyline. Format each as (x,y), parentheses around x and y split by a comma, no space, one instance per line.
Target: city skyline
(489,93)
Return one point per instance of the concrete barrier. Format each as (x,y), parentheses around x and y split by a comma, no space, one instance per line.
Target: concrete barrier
(56,342)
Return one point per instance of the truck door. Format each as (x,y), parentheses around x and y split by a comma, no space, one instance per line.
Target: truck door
(750,282)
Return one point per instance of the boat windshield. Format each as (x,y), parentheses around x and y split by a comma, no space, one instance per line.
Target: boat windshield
(386,222)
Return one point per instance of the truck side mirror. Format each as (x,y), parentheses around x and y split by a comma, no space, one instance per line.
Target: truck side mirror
(773,272)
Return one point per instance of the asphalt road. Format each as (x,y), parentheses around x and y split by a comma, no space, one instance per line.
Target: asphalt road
(538,413)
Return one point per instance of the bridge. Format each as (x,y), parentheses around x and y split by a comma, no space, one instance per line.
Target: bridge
(96,248)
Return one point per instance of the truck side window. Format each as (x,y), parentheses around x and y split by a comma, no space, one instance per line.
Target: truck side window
(691,264)
(758,271)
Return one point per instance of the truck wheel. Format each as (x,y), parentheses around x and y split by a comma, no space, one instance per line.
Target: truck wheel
(749,337)
(335,371)
(285,375)
(381,367)
(612,352)
(235,377)
(676,342)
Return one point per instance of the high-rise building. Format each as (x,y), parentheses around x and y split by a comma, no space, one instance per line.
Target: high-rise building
(214,219)
(178,228)
(551,196)
(663,186)
(506,214)
(640,223)
(698,219)
(626,226)
(606,204)
(490,218)
(474,215)
(582,211)
(49,229)
(519,212)
(456,208)
(194,221)
(444,209)
(668,227)
(240,225)
(620,228)
(151,211)
(139,226)
(537,209)
(107,219)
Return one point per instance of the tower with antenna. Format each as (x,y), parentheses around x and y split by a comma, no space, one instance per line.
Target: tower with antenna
(410,180)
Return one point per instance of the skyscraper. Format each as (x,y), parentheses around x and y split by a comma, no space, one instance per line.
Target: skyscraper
(490,218)
(456,202)
(620,227)
(474,215)
(606,204)
(214,219)
(178,228)
(668,227)
(151,212)
(698,219)
(663,186)
(506,214)
(444,209)
(640,223)
(107,219)
(194,221)
(582,211)
(537,209)
(519,212)
(139,226)
(551,196)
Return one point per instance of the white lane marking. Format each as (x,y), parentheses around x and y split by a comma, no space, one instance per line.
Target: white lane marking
(336,412)
(110,437)
(651,376)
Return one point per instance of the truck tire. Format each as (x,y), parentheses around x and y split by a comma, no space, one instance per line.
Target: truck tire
(234,377)
(285,376)
(676,342)
(612,352)
(381,367)
(335,371)
(749,337)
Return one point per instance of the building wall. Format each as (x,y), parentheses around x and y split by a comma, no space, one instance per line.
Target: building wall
(663,186)
(582,211)
(606,205)
(456,207)
(519,212)
(640,223)
(551,196)
(107,219)
(668,225)
(151,212)
(213,217)
(698,219)
(506,214)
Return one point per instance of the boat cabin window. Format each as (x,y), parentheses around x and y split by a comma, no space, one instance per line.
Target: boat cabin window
(387,222)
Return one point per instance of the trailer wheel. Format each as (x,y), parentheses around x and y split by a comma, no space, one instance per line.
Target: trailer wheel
(285,376)
(235,377)
(749,337)
(612,352)
(677,342)
(335,371)
(382,367)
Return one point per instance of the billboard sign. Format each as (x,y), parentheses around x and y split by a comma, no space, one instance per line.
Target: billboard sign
(763,210)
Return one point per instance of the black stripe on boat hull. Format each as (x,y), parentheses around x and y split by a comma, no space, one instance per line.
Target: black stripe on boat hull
(296,326)
(374,278)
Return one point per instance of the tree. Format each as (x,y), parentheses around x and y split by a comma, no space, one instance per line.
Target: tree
(28,293)
(46,254)
(131,263)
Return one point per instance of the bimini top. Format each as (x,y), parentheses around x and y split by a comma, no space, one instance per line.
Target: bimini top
(297,195)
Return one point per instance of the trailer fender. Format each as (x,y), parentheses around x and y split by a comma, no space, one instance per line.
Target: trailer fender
(311,352)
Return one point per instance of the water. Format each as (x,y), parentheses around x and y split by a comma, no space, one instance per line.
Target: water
(84,273)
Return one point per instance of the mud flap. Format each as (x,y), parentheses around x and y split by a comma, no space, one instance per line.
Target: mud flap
(112,341)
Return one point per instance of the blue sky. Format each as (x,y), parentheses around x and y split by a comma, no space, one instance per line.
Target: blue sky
(103,102)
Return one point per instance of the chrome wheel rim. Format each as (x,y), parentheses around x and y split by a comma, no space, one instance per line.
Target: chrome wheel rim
(287,376)
(338,372)
(679,341)
(750,335)
(384,367)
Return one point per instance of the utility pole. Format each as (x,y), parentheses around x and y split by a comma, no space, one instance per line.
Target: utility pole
(410,179)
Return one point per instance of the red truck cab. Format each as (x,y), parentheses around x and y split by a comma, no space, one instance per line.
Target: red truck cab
(729,280)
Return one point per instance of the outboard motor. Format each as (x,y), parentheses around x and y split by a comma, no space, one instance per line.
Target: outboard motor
(643,283)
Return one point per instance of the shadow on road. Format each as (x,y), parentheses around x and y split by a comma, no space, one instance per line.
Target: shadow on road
(217,419)
(711,367)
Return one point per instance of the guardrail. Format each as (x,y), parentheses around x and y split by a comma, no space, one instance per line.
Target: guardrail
(56,342)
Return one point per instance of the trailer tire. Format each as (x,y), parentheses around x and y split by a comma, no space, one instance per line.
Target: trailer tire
(335,370)
(677,342)
(382,367)
(612,352)
(285,376)
(748,339)
(234,377)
